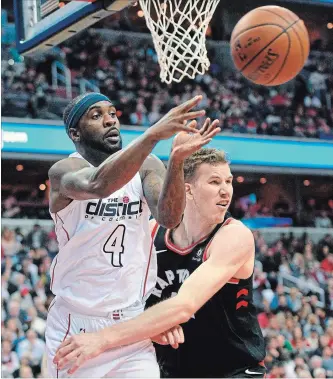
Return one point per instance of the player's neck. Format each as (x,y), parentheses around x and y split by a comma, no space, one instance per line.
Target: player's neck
(93,156)
(191,230)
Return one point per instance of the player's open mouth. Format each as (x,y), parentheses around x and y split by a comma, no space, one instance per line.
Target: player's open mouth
(113,138)
(112,135)
(223,204)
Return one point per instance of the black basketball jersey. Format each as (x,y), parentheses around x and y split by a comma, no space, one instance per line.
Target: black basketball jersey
(224,334)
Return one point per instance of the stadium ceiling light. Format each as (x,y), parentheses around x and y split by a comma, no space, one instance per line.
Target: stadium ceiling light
(306,183)
(240,179)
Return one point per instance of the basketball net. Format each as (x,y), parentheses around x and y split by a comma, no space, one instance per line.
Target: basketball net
(178,28)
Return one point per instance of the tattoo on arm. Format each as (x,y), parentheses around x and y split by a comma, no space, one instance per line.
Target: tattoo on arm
(164,191)
(153,173)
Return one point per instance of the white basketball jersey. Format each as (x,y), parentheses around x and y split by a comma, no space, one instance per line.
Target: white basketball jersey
(105,251)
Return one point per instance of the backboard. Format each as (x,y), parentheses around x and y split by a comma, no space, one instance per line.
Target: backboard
(42,24)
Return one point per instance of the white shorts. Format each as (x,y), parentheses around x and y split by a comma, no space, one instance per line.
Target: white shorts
(132,361)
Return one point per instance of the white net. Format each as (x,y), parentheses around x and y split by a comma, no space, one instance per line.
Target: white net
(179,30)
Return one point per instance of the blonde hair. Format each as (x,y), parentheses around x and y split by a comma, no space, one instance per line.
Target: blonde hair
(204,155)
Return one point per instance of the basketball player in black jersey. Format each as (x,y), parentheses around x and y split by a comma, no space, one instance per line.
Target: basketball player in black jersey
(205,269)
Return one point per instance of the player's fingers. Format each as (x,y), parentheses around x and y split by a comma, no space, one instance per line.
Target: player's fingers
(170,337)
(181,334)
(189,104)
(188,129)
(192,124)
(203,142)
(68,358)
(62,351)
(176,335)
(160,339)
(64,343)
(79,362)
(191,115)
(213,133)
(211,127)
(205,126)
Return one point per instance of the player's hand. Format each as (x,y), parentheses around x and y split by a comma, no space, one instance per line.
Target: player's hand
(77,349)
(173,337)
(186,144)
(175,120)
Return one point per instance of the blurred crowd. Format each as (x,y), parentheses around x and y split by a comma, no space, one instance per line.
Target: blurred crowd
(25,296)
(128,72)
(296,315)
(293,282)
(314,212)
(24,203)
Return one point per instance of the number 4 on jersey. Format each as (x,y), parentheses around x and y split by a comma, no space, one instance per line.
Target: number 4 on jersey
(114,245)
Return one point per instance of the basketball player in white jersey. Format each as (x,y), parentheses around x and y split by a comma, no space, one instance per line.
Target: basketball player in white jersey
(100,200)
(214,254)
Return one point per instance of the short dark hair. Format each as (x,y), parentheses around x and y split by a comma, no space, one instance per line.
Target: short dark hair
(204,155)
(70,106)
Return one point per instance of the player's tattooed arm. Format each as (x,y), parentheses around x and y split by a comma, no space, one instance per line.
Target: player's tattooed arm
(164,190)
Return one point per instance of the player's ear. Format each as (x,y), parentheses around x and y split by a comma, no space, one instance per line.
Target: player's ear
(188,191)
(74,134)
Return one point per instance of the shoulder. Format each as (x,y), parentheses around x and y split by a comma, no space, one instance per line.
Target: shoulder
(236,229)
(235,237)
(65,166)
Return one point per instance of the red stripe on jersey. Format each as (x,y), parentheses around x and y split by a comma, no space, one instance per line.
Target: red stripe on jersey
(63,226)
(153,234)
(233,281)
(242,292)
(204,257)
(68,327)
(51,285)
(242,303)
(182,251)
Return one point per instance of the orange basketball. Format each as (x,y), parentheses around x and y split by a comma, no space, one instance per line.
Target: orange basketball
(270,45)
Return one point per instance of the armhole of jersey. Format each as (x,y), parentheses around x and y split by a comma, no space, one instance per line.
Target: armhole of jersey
(153,235)
(138,179)
(63,211)
(205,257)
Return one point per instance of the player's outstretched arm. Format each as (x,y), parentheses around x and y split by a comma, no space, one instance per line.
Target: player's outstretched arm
(76,180)
(165,189)
(225,259)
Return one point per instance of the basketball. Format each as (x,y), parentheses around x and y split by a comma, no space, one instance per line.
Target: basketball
(270,45)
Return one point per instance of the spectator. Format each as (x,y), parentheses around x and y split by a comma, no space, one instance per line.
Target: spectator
(319,373)
(35,346)
(327,263)
(26,372)
(316,362)
(9,242)
(323,221)
(328,359)
(37,238)
(131,71)
(9,359)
